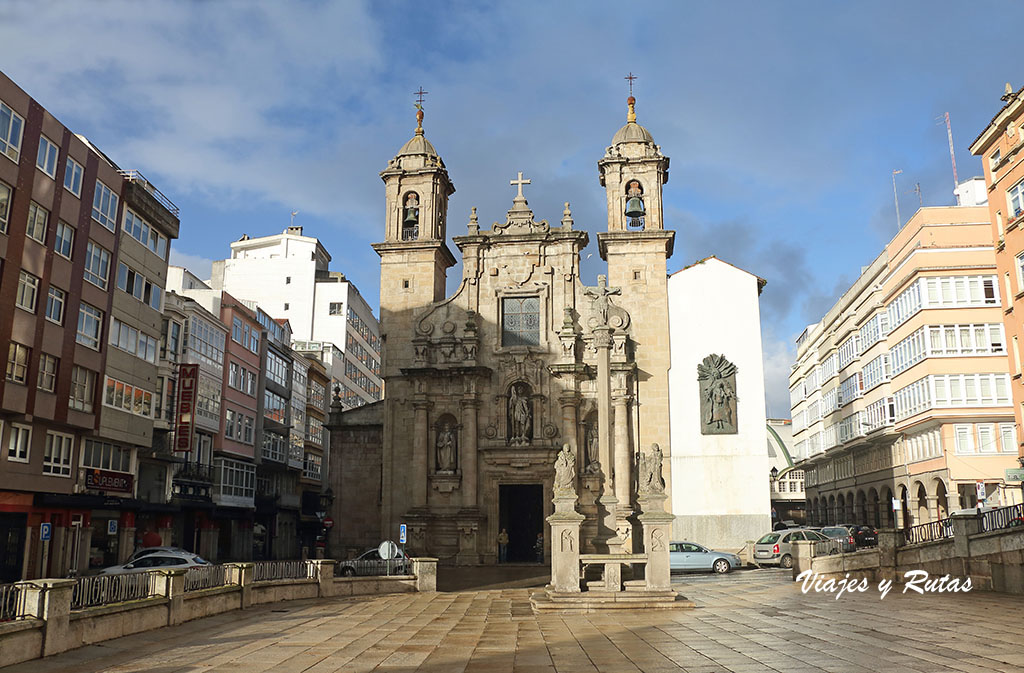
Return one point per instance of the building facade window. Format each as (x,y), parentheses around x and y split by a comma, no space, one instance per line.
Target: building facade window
(73,177)
(129,398)
(236,478)
(46,157)
(104,206)
(106,456)
(97,265)
(952,390)
(1014,196)
(83,386)
(520,321)
(127,338)
(11,126)
(275,407)
(145,233)
(55,300)
(17,362)
(90,324)
(206,341)
(277,369)
(208,397)
(5,207)
(19,441)
(849,350)
(64,243)
(134,283)
(47,372)
(28,291)
(876,371)
(311,465)
(336,308)
(57,455)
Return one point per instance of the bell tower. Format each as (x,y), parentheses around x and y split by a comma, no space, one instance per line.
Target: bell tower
(637,247)
(414,256)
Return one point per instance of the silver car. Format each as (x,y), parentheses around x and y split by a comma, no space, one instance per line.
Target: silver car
(691,556)
(165,559)
(776,548)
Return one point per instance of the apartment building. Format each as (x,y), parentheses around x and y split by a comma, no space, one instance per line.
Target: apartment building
(312,481)
(1000,145)
(288,275)
(901,392)
(83,259)
(786,480)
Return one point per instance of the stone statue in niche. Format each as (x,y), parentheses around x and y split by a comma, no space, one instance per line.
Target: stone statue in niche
(592,453)
(565,472)
(716,377)
(651,481)
(520,415)
(446,448)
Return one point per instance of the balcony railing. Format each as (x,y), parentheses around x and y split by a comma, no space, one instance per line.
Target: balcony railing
(205,577)
(929,532)
(194,472)
(1004,517)
(283,570)
(139,179)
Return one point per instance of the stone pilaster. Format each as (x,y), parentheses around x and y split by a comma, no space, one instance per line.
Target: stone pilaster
(421,434)
(468,450)
(607,537)
(565,545)
(657,525)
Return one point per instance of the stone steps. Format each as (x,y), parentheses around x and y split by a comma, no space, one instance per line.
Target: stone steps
(594,601)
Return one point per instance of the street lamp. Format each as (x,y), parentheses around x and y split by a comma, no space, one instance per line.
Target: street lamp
(326,500)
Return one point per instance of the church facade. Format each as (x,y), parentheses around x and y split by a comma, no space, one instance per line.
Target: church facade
(484,387)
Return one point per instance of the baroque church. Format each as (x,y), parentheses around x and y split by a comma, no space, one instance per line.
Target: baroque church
(484,387)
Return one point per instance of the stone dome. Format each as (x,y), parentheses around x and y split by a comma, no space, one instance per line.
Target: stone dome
(418,145)
(632,133)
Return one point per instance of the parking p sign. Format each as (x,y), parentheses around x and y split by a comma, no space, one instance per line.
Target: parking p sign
(402,533)
(45,531)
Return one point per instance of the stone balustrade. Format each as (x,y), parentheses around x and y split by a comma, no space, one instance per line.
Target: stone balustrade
(48,624)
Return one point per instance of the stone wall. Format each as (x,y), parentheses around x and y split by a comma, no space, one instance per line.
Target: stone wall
(48,625)
(994,561)
(355,476)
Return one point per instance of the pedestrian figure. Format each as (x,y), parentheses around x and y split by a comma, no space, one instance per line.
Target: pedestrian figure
(538,547)
(503,546)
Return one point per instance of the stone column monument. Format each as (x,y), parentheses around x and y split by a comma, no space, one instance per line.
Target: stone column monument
(565,526)
(657,523)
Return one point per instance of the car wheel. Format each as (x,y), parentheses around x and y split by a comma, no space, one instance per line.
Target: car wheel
(787,561)
(721,566)
(348,572)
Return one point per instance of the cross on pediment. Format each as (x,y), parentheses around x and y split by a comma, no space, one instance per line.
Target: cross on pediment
(519,182)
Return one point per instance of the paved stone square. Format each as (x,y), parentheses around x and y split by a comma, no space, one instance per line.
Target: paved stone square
(747,621)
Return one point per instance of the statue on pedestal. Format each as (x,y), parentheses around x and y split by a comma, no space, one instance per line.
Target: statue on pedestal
(565,472)
(651,480)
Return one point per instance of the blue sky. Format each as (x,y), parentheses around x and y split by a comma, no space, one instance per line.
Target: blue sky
(783,120)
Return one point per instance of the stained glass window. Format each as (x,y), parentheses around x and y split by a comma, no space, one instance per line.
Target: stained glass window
(520,323)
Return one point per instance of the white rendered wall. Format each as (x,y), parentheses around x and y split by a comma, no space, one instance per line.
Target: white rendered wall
(720,491)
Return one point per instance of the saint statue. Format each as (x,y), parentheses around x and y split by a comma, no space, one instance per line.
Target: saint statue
(520,416)
(565,472)
(651,480)
(446,449)
(592,455)
(716,378)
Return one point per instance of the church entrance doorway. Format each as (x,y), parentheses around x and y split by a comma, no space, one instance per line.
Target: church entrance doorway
(521,513)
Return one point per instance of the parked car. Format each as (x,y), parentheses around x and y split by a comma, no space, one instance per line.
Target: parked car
(776,548)
(690,556)
(844,536)
(865,536)
(146,551)
(370,563)
(163,559)
(783,525)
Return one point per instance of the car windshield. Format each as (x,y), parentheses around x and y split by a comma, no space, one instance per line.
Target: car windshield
(770,538)
(835,532)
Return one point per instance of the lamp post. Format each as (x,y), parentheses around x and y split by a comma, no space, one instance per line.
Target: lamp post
(774,474)
(326,522)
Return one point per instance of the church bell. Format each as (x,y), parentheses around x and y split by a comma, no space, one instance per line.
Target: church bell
(634,207)
(411,218)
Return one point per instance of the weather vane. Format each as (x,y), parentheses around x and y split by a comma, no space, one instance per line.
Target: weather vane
(630,77)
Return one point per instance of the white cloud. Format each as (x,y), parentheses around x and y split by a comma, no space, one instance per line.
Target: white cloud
(779,355)
(200,266)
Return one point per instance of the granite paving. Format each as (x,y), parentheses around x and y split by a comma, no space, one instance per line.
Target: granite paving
(756,621)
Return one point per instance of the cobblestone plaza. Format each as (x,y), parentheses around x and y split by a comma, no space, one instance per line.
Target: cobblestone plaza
(745,621)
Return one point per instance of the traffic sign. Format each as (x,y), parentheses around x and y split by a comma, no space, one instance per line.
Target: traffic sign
(387,550)
(112,527)
(1015,474)
(45,530)
(979,486)
(328,522)
(895,505)
(402,533)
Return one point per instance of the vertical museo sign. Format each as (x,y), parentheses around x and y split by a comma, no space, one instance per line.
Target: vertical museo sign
(188,383)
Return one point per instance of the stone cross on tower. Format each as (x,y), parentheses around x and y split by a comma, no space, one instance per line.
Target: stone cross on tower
(519,182)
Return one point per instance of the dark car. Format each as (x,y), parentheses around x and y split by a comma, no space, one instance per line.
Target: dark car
(843,535)
(370,563)
(864,536)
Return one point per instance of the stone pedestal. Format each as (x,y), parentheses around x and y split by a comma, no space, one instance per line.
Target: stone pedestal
(565,545)
(657,525)
(469,538)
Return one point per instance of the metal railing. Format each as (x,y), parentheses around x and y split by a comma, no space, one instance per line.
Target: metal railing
(98,590)
(283,570)
(373,567)
(205,577)
(138,178)
(929,532)
(826,547)
(12,602)
(1004,517)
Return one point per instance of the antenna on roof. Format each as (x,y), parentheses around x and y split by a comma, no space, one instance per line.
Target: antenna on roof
(952,155)
(896,197)
(917,190)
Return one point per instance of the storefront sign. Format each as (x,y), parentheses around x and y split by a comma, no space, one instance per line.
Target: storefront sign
(104,480)
(188,384)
